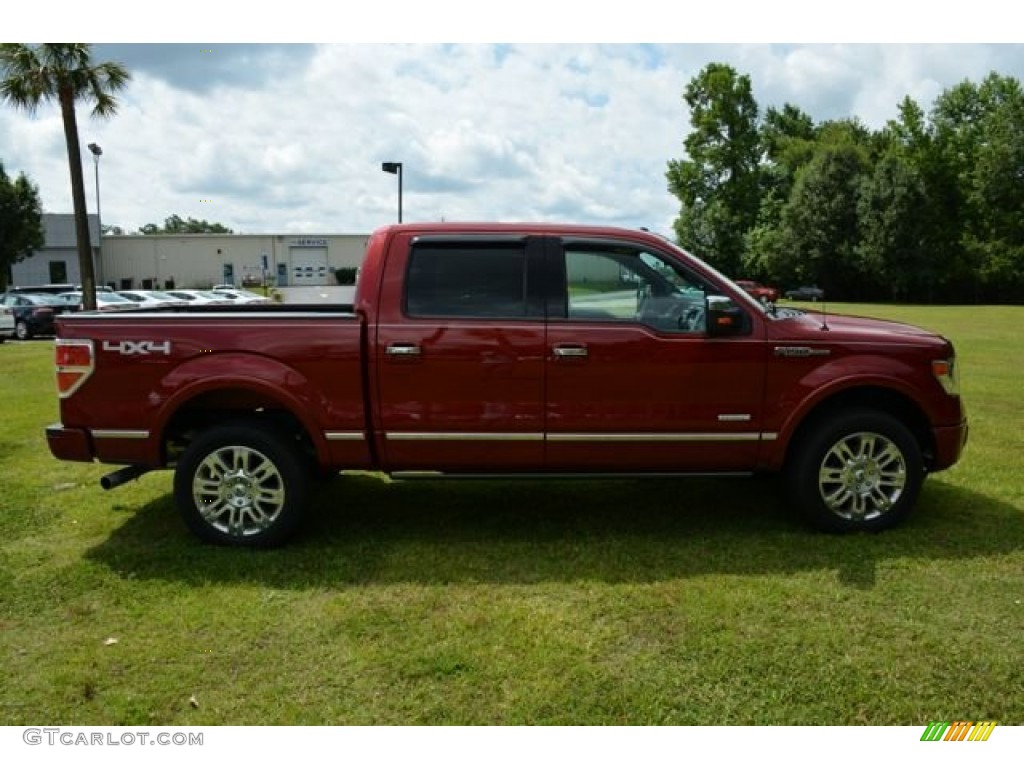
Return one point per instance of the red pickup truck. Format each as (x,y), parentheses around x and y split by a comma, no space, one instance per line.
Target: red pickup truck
(504,349)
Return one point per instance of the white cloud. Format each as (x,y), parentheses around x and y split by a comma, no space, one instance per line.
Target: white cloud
(576,132)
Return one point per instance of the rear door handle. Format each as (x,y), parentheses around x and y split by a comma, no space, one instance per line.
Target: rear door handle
(403,350)
(570,351)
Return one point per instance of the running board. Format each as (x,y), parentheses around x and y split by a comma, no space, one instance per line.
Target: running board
(433,475)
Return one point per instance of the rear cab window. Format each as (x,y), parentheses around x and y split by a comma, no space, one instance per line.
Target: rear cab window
(473,278)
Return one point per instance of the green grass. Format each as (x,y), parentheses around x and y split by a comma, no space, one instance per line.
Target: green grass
(682,602)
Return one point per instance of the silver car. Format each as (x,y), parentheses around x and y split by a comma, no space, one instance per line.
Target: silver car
(152,299)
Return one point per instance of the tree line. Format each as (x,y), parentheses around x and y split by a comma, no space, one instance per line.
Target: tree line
(929,208)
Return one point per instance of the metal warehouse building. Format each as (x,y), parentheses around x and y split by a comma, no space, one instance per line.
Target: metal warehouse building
(195,261)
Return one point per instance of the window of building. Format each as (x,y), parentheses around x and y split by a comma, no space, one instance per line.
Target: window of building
(58,271)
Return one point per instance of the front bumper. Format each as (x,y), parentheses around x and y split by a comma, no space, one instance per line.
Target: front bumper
(949,445)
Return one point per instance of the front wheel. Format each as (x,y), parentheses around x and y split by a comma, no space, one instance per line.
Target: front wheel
(242,484)
(21,331)
(856,471)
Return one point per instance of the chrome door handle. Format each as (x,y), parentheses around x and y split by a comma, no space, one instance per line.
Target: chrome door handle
(570,350)
(404,350)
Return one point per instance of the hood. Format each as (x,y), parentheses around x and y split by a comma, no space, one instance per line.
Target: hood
(847,328)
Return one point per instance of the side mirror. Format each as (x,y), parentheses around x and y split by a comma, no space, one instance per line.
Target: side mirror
(724,317)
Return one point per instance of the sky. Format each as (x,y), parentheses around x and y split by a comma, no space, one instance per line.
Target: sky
(530,119)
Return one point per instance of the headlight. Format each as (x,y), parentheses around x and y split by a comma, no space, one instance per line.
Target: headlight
(946,373)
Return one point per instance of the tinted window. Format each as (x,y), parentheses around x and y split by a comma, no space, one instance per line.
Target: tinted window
(467,280)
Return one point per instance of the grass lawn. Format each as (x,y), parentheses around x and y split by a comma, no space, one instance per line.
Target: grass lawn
(625,602)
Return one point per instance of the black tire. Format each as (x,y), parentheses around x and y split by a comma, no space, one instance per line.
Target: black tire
(242,484)
(21,330)
(860,470)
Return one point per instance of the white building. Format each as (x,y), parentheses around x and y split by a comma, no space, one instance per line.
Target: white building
(190,261)
(57,261)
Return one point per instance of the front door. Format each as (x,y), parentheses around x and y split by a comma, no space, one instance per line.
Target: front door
(634,383)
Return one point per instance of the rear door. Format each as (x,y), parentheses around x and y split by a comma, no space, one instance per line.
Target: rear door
(459,354)
(634,383)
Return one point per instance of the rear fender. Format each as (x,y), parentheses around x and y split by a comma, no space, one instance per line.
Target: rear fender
(271,382)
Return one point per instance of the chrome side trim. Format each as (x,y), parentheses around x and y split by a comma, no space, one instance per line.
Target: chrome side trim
(341,437)
(467,436)
(120,434)
(656,437)
(584,437)
(734,417)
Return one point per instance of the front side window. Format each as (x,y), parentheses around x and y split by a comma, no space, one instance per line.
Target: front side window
(625,284)
(467,280)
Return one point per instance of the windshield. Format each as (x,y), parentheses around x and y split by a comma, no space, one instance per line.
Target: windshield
(747,299)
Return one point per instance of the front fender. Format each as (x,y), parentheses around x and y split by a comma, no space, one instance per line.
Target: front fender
(794,400)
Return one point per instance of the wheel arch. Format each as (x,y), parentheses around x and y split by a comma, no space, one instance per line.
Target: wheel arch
(214,403)
(880,398)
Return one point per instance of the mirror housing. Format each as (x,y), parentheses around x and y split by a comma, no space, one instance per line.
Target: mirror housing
(724,317)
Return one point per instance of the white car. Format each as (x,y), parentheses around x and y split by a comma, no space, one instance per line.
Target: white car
(198,298)
(6,322)
(106,301)
(238,296)
(152,299)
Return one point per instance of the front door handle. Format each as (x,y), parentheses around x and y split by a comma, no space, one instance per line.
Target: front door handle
(403,350)
(565,351)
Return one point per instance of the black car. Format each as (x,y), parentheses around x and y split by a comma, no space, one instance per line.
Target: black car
(33,313)
(805,293)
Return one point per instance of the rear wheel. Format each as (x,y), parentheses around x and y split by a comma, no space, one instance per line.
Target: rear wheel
(857,471)
(243,483)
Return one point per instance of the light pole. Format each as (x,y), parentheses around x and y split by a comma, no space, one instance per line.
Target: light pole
(97,150)
(395,168)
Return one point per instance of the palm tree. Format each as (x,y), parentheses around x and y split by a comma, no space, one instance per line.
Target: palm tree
(64,72)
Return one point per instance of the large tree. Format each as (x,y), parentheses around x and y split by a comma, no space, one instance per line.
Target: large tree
(21,221)
(819,221)
(65,73)
(788,139)
(718,184)
(893,247)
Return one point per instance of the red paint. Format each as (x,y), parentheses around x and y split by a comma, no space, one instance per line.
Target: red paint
(639,399)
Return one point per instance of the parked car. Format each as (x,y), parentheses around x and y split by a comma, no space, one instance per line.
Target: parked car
(50,288)
(806,293)
(762,293)
(31,313)
(106,301)
(196,298)
(239,296)
(6,323)
(152,299)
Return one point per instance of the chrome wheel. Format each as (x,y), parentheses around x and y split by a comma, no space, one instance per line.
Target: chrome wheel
(243,483)
(855,470)
(862,476)
(238,491)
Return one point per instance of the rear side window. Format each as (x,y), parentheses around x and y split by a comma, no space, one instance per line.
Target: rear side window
(467,280)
